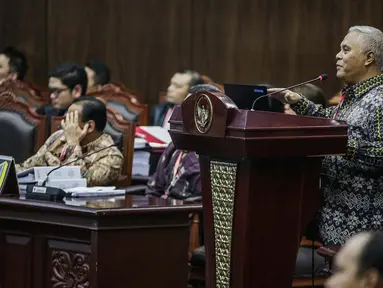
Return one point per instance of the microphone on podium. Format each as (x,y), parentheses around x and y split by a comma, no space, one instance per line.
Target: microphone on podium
(321,77)
(51,193)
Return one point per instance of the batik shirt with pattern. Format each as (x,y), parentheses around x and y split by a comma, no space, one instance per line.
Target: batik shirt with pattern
(99,168)
(353,184)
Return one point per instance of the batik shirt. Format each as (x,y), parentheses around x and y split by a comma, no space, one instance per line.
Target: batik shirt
(99,168)
(177,175)
(353,184)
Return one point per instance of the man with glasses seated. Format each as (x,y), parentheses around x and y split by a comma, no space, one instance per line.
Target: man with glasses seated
(67,82)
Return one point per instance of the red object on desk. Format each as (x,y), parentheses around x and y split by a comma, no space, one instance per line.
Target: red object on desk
(157,137)
(141,133)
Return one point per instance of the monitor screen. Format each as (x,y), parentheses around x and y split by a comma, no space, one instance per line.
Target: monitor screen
(244,96)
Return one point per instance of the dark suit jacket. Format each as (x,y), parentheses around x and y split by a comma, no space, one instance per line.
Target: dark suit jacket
(158,114)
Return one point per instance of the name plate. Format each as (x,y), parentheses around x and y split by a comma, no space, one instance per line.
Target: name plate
(42,190)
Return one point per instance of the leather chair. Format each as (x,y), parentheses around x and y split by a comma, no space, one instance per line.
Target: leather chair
(125,103)
(22,131)
(25,91)
(208,80)
(328,252)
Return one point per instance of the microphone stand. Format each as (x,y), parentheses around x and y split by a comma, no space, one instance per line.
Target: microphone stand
(320,78)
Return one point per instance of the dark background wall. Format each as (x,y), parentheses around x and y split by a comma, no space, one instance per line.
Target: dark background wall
(145,41)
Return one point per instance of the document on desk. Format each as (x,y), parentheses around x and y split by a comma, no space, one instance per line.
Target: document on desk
(156,136)
(94,191)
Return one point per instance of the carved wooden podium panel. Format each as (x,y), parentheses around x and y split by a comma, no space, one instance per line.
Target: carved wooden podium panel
(260,181)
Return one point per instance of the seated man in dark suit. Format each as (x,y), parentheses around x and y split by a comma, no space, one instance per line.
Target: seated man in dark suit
(98,75)
(13,64)
(177,91)
(67,82)
(178,172)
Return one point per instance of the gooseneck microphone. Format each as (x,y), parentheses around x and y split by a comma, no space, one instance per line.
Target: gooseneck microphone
(319,78)
(71,162)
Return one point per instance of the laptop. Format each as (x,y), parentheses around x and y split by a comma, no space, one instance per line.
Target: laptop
(244,96)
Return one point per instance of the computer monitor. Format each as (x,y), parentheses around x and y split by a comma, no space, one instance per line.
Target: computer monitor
(244,96)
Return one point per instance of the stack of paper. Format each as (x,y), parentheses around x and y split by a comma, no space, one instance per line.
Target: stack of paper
(141,164)
(140,143)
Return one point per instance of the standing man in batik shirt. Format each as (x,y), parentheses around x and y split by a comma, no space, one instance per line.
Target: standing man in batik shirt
(82,134)
(353,184)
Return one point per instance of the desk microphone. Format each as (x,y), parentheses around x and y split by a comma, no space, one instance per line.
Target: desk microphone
(319,78)
(75,160)
(52,193)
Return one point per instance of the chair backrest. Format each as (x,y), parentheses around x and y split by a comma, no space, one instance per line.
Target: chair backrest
(25,92)
(208,80)
(122,133)
(121,101)
(116,88)
(22,131)
(135,96)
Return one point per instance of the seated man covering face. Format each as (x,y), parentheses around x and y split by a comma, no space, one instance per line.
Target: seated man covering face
(82,134)
(178,172)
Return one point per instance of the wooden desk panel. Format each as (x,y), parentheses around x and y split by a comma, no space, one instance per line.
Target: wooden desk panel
(101,243)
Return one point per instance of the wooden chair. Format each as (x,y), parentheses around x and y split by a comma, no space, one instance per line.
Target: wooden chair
(122,133)
(208,80)
(24,92)
(22,131)
(117,88)
(40,91)
(121,86)
(122,102)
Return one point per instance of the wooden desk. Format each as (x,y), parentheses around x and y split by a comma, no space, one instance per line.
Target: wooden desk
(129,241)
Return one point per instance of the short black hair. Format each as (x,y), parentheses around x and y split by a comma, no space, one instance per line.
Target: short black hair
(17,61)
(203,87)
(101,72)
(371,256)
(93,109)
(71,75)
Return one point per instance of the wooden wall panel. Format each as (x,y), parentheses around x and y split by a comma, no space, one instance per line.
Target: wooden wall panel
(143,42)
(23,25)
(278,42)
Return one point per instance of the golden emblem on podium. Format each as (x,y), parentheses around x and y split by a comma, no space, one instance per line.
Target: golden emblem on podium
(203,113)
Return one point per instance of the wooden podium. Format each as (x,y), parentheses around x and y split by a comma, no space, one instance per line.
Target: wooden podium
(260,176)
